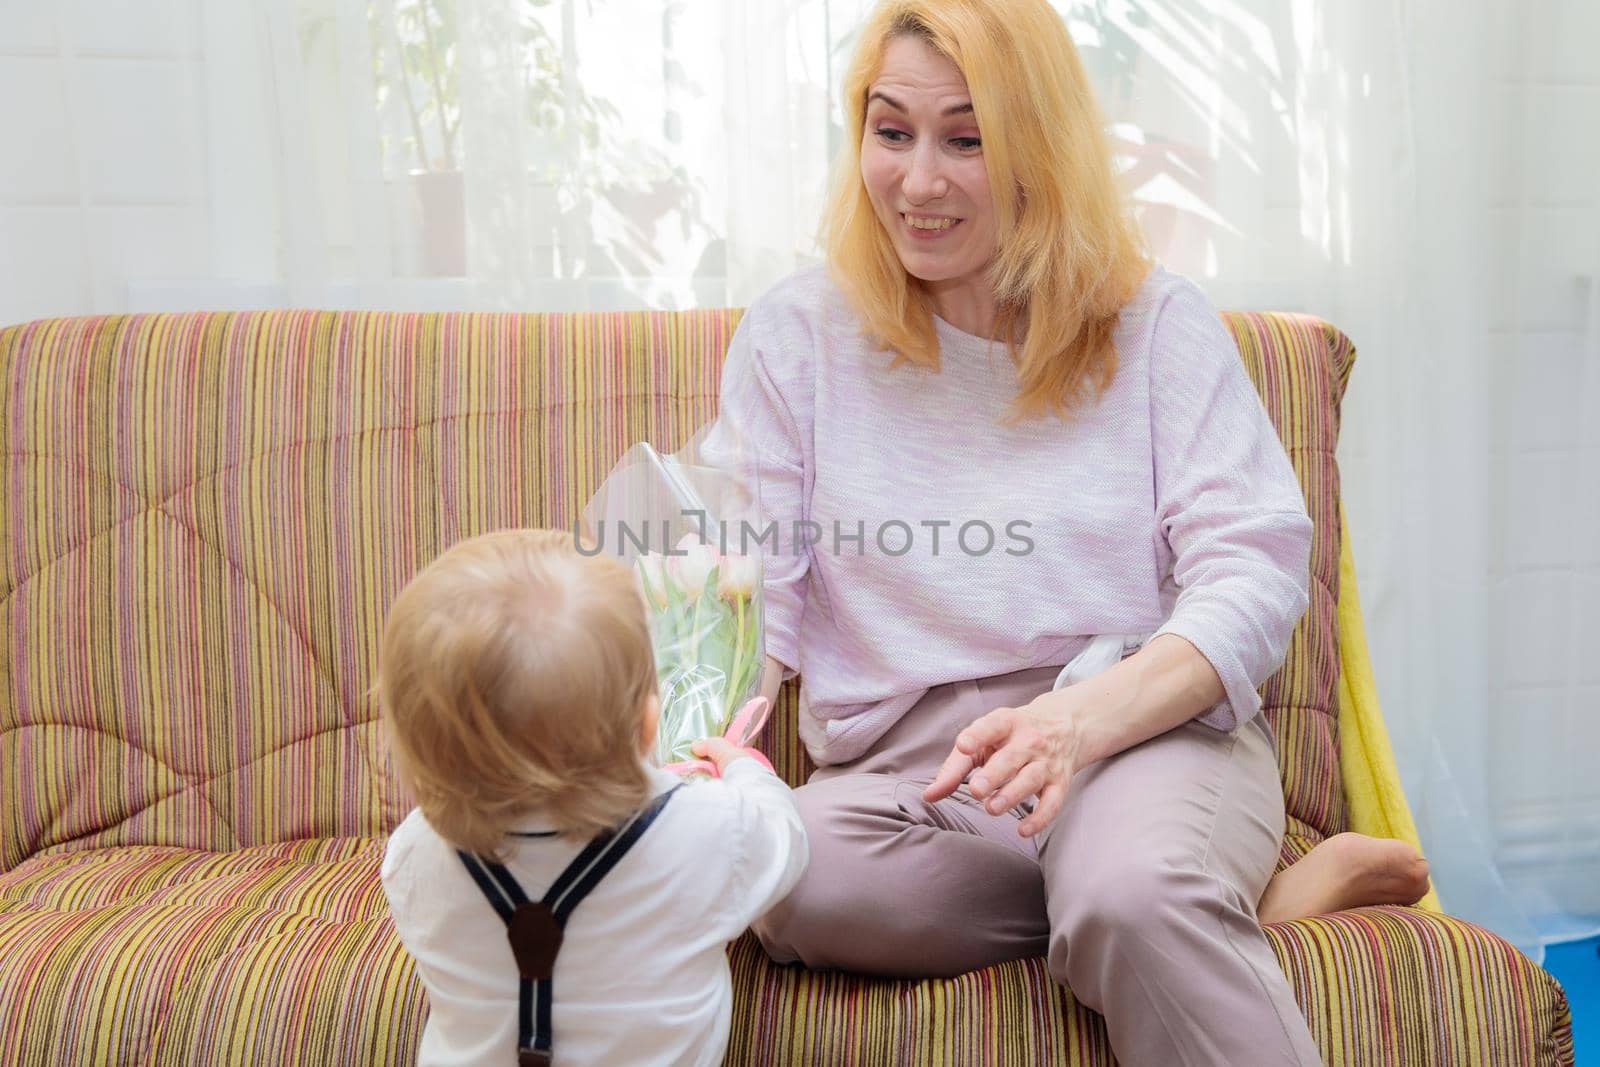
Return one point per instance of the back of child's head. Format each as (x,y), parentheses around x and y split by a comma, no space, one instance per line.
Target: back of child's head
(513,678)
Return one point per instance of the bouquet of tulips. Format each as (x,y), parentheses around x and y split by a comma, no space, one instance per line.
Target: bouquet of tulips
(672,519)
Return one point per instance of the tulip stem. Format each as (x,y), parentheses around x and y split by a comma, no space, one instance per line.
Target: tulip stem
(738,654)
(694,631)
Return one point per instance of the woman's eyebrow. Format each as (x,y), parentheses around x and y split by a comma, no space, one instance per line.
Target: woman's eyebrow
(954,109)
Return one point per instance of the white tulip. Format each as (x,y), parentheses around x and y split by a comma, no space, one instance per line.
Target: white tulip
(693,568)
(738,577)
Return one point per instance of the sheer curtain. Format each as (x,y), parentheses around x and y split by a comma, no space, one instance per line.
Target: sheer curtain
(1366,160)
(551,154)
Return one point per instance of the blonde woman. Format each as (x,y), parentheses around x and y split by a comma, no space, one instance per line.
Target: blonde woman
(1035,544)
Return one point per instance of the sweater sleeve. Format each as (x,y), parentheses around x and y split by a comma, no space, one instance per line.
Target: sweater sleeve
(760,438)
(1228,504)
(767,842)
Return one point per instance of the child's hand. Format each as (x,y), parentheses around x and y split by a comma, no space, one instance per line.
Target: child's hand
(720,751)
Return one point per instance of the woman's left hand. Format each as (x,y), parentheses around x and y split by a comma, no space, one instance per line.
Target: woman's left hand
(1017,753)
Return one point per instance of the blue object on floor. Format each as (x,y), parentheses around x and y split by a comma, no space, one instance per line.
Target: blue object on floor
(1576,965)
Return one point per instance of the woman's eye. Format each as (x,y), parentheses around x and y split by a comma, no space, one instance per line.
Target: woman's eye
(966,142)
(890,135)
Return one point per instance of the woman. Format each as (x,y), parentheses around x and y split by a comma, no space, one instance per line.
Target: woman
(1037,544)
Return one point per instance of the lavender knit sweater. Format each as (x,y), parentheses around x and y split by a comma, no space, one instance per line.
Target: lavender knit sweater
(916,540)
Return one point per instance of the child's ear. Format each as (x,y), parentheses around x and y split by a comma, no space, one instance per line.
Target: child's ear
(648,723)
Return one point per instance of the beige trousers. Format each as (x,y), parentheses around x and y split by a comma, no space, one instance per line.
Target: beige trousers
(1142,893)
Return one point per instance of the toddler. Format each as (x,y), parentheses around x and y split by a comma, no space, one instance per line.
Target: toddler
(566,901)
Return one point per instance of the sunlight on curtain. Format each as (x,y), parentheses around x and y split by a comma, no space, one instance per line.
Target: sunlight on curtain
(559,154)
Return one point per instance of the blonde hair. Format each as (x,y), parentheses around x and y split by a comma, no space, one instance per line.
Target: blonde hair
(1070,252)
(513,678)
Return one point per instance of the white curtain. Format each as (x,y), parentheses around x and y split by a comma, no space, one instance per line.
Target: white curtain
(1382,163)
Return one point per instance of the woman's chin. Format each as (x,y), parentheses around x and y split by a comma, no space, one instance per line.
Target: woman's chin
(930,270)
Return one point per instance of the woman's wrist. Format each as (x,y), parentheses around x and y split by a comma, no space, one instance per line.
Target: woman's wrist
(1163,685)
(1079,729)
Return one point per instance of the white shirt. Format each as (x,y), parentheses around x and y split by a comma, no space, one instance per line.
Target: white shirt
(642,976)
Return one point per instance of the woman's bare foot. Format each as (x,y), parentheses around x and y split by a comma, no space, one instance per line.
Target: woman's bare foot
(1346,871)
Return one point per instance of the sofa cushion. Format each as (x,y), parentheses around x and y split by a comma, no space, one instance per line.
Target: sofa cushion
(1379,986)
(219,510)
(281,953)
(285,954)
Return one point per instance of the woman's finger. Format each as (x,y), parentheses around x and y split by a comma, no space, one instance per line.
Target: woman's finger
(955,768)
(987,732)
(1051,798)
(971,747)
(1025,784)
(1002,766)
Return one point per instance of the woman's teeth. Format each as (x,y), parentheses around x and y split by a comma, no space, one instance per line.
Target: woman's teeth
(930,224)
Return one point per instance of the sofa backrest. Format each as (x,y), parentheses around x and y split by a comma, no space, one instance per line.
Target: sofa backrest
(206,516)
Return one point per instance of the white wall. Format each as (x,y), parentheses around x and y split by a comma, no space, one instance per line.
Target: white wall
(103,179)
(1544,472)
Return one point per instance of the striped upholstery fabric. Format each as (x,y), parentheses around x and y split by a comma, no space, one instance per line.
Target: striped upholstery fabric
(152,955)
(205,517)
(1399,987)
(1301,365)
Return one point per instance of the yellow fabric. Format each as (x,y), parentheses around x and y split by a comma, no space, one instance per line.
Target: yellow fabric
(1376,803)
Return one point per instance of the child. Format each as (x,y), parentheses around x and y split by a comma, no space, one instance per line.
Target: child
(519,692)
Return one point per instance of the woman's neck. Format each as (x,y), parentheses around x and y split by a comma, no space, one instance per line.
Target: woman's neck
(967,307)
(970,309)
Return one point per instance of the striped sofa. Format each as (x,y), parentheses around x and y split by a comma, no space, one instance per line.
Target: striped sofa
(204,519)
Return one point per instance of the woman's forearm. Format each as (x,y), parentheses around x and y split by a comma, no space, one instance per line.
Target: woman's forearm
(1163,685)
(772,681)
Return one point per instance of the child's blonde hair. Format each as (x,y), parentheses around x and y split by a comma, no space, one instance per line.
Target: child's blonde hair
(513,678)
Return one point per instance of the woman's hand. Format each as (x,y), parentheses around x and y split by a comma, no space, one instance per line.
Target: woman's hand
(1017,753)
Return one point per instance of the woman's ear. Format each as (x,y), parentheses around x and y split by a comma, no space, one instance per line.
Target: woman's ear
(648,722)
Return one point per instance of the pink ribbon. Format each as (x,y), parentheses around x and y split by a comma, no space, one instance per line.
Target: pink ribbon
(744,728)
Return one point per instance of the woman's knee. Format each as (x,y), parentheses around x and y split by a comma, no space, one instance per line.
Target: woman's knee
(802,926)
(1118,915)
(897,919)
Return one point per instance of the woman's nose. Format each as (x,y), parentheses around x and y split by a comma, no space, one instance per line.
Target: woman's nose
(923,181)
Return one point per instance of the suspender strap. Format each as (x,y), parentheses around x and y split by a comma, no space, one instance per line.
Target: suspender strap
(597,859)
(497,885)
(535,930)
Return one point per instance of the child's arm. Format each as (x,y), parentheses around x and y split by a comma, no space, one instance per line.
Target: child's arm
(766,841)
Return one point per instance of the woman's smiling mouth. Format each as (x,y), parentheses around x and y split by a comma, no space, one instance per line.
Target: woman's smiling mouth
(929,226)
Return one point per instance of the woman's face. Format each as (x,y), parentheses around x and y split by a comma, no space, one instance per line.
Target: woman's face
(922,162)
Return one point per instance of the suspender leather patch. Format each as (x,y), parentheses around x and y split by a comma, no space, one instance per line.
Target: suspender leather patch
(535,938)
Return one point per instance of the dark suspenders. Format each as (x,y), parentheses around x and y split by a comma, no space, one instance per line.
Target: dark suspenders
(535,930)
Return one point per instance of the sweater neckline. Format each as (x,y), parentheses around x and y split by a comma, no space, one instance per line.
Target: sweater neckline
(961,338)
(983,355)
